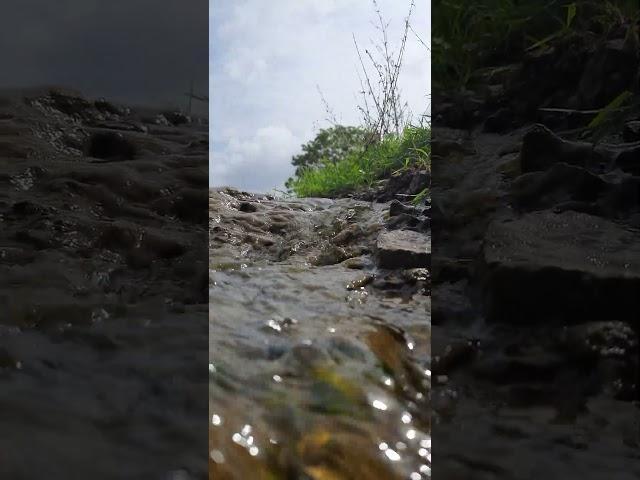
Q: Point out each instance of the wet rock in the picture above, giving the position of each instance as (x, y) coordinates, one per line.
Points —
(177, 118)
(569, 267)
(455, 355)
(561, 182)
(390, 281)
(404, 220)
(356, 263)
(410, 182)
(403, 249)
(110, 146)
(414, 275)
(361, 282)
(601, 339)
(247, 207)
(348, 235)
(329, 255)
(398, 208)
(69, 103)
(419, 181)
(162, 246)
(628, 159)
(541, 149)
(27, 208)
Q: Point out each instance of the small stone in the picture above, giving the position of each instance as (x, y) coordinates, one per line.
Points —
(361, 282)
(247, 207)
(356, 263)
(397, 208)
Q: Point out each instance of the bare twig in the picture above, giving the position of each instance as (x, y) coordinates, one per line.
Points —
(391, 114)
(331, 116)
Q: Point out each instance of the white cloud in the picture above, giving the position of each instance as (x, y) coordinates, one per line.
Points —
(255, 163)
(268, 58)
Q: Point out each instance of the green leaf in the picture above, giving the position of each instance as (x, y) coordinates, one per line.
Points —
(571, 13)
(615, 104)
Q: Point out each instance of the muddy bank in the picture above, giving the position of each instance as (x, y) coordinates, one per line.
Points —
(320, 338)
(536, 270)
(102, 289)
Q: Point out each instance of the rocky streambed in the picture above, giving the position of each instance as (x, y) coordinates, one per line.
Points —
(102, 289)
(536, 267)
(319, 331)
(536, 263)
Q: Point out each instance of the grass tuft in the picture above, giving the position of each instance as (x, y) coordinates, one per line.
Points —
(360, 170)
(468, 37)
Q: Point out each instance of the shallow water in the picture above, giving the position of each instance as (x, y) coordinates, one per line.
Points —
(315, 372)
(102, 296)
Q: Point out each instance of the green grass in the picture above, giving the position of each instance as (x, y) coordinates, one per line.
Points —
(360, 170)
(472, 39)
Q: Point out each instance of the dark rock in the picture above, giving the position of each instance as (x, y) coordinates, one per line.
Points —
(499, 122)
(561, 182)
(631, 131)
(26, 208)
(568, 268)
(348, 235)
(177, 118)
(396, 208)
(401, 221)
(601, 339)
(628, 159)
(105, 106)
(361, 281)
(110, 146)
(70, 104)
(329, 255)
(419, 181)
(455, 355)
(247, 207)
(406, 183)
(541, 149)
(403, 249)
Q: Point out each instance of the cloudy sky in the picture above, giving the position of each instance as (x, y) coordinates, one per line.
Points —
(135, 51)
(267, 61)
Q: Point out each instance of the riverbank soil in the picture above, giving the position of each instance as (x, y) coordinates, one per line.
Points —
(320, 338)
(102, 289)
(536, 265)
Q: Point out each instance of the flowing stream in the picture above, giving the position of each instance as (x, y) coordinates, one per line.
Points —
(319, 362)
